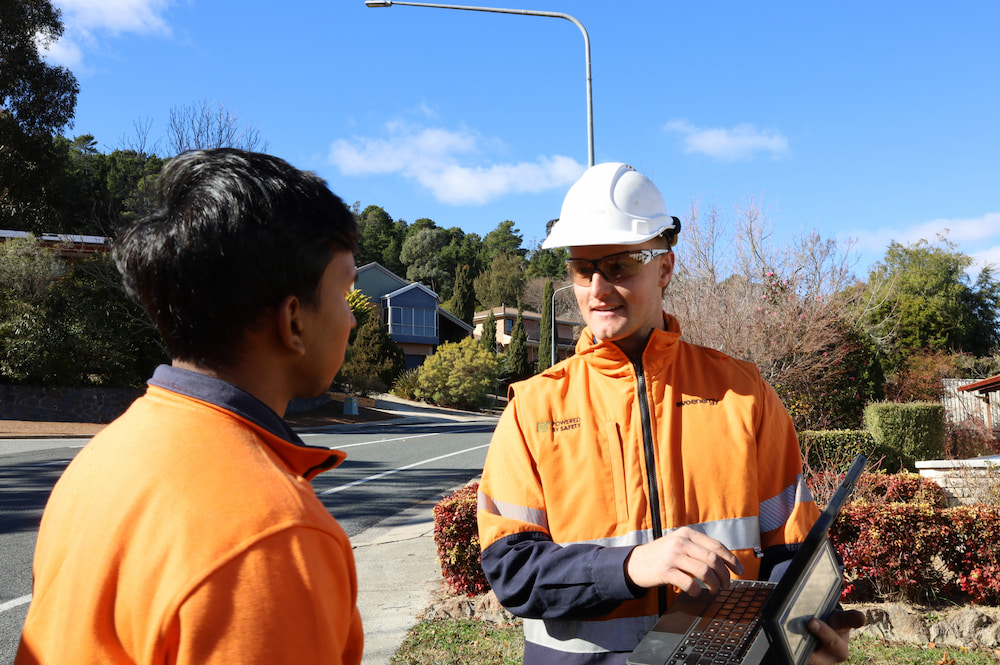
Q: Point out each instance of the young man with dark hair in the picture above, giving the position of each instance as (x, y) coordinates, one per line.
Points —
(187, 531)
(642, 466)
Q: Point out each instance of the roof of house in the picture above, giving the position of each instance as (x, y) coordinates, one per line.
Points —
(990, 385)
(67, 244)
(382, 269)
(454, 319)
(411, 287)
(504, 312)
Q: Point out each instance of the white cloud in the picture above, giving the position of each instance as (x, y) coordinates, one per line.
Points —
(977, 237)
(738, 143)
(84, 20)
(142, 16)
(436, 159)
(972, 234)
(64, 52)
(987, 257)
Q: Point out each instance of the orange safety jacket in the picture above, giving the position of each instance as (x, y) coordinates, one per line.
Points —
(187, 533)
(597, 455)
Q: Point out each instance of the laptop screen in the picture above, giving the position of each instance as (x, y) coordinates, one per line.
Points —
(816, 593)
(811, 586)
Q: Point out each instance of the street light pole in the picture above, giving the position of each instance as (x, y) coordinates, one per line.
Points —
(555, 326)
(524, 12)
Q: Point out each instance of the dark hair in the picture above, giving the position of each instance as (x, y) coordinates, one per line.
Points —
(232, 234)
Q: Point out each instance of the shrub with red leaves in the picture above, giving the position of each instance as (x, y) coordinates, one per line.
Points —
(456, 535)
(919, 552)
(880, 488)
(889, 549)
(972, 553)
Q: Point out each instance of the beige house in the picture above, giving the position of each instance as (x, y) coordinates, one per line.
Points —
(505, 317)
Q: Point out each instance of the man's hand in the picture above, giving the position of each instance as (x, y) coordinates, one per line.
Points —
(833, 636)
(682, 558)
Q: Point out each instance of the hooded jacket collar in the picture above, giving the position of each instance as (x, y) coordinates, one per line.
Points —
(308, 461)
(608, 357)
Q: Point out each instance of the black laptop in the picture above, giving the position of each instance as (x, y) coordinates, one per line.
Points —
(754, 622)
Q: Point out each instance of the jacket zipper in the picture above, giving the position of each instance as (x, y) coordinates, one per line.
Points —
(651, 475)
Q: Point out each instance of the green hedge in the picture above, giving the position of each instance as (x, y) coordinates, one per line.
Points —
(906, 432)
(834, 450)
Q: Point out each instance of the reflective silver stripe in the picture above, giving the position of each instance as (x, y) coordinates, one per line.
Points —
(588, 636)
(775, 511)
(534, 516)
(737, 533)
(626, 540)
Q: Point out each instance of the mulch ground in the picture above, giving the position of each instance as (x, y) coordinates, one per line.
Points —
(331, 413)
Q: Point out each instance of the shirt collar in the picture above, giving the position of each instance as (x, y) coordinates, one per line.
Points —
(225, 395)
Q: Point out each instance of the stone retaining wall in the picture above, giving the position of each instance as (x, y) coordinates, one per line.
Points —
(964, 481)
(65, 405)
(974, 627)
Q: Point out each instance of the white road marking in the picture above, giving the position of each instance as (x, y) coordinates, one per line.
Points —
(17, 602)
(401, 438)
(378, 476)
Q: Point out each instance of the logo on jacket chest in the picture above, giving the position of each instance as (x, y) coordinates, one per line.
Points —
(558, 425)
(692, 402)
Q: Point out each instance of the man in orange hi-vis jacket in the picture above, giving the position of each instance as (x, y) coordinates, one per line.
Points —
(640, 466)
(187, 531)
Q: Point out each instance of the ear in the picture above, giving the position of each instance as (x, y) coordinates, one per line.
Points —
(666, 269)
(290, 322)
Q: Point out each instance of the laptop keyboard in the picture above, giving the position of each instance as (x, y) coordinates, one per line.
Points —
(726, 628)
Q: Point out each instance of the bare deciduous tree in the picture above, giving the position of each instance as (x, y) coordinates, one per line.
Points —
(210, 125)
(781, 307)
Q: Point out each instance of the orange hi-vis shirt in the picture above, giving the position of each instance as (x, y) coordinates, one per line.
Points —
(185, 533)
(598, 454)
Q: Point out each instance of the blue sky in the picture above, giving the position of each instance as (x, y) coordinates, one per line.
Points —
(864, 121)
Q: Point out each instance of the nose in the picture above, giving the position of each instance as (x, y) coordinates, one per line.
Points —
(599, 285)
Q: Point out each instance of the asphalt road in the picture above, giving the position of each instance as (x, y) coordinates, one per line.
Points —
(390, 467)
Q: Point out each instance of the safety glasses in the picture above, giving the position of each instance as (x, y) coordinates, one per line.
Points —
(613, 267)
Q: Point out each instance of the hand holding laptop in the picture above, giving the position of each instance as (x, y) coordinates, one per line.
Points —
(683, 558)
(833, 636)
(792, 621)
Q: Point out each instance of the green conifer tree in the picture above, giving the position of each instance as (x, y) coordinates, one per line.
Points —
(488, 338)
(545, 333)
(373, 360)
(517, 352)
(463, 299)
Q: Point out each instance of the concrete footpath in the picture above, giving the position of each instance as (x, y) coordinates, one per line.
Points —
(398, 570)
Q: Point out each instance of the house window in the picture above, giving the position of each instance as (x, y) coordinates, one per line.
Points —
(407, 321)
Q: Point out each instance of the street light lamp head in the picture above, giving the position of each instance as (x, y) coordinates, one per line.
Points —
(378, 3)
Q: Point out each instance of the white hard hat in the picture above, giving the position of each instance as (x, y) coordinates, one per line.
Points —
(611, 204)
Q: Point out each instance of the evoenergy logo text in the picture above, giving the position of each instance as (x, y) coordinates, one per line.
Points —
(691, 402)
